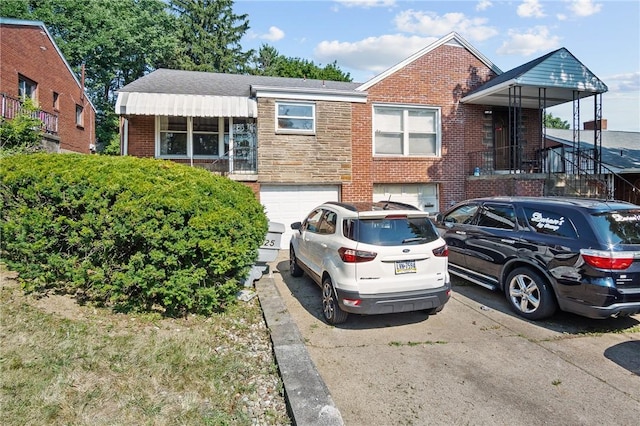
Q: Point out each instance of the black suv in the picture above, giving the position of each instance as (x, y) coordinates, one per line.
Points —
(544, 253)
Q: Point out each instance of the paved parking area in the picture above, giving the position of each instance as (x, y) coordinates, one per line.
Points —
(474, 363)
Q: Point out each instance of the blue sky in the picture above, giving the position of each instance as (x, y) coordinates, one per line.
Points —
(366, 37)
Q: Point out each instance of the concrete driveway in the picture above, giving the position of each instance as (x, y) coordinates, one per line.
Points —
(474, 363)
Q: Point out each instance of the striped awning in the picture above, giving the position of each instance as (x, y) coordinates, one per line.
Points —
(134, 103)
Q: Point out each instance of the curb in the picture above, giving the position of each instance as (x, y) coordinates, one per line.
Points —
(307, 395)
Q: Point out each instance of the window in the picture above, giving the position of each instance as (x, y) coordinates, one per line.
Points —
(391, 231)
(406, 131)
(56, 100)
(312, 222)
(550, 223)
(295, 117)
(463, 214)
(173, 136)
(206, 136)
(497, 216)
(79, 116)
(620, 227)
(26, 87)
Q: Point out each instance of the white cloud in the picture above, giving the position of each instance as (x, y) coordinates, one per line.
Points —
(366, 4)
(373, 54)
(585, 7)
(561, 17)
(483, 5)
(530, 9)
(534, 40)
(431, 24)
(627, 82)
(274, 34)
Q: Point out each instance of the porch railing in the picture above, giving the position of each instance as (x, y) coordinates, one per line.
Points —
(573, 174)
(508, 159)
(243, 160)
(11, 107)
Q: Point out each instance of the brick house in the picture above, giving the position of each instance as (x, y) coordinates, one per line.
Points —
(441, 126)
(33, 66)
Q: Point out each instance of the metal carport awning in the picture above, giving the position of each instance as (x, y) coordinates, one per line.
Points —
(170, 104)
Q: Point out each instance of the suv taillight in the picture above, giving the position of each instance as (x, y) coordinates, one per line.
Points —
(441, 251)
(355, 256)
(606, 259)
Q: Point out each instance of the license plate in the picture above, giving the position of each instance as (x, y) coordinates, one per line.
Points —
(406, 267)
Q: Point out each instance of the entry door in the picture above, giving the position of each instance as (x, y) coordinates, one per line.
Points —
(501, 140)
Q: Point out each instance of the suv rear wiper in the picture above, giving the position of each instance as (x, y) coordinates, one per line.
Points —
(413, 240)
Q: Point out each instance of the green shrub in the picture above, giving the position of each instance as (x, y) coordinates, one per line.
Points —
(22, 134)
(135, 234)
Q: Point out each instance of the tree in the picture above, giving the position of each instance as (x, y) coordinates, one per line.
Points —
(551, 122)
(271, 63)
(209, 36)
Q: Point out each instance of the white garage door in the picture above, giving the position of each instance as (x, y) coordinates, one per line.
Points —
(422, 196)
(292, 203)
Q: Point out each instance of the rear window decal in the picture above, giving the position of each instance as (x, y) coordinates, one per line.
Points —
(625, 218)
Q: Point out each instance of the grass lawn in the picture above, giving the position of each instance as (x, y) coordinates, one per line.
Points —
(62, 363)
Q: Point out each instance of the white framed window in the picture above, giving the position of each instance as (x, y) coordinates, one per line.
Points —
(172, 141)
(26, 87)
(206, 137)
(406, 131)
(79, 115)
(202, 137)
(295, 117)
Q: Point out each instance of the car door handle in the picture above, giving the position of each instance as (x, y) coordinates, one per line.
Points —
(461, 233)
(507, 241)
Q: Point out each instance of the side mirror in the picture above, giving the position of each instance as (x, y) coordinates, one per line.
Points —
(296, 225)
(439, 218)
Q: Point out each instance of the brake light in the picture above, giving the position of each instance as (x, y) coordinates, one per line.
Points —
(606, 259)
(356, 256)
(442, 251)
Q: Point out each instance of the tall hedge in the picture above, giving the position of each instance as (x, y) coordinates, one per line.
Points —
(135, 234)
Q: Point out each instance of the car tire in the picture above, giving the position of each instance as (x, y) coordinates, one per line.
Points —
(330, 305)
(294, 268)
(529, 294)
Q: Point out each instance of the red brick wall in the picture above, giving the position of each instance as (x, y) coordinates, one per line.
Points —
(439, 78)
(508, 185)
(28, 51)
(141, 141)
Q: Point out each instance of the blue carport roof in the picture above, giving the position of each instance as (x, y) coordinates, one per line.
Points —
(559, 73)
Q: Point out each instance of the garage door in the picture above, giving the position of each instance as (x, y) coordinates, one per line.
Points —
(292, 203)
(423, 196)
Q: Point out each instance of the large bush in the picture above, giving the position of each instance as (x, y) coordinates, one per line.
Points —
(135, 234)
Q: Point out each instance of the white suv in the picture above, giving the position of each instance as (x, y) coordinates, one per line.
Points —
(372, 258)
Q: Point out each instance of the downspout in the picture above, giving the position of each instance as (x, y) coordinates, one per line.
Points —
(125, 137)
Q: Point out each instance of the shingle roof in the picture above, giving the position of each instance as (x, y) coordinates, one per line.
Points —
(619, 149)
(218, 84)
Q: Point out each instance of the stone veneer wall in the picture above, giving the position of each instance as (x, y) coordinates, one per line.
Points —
(322, 158)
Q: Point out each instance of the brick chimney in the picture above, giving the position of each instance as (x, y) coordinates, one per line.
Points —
(591, 125)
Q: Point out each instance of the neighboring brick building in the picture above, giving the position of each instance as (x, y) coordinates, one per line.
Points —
(31, 65)
(416, 133)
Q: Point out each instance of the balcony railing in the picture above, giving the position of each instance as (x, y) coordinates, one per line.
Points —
(11, 107)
